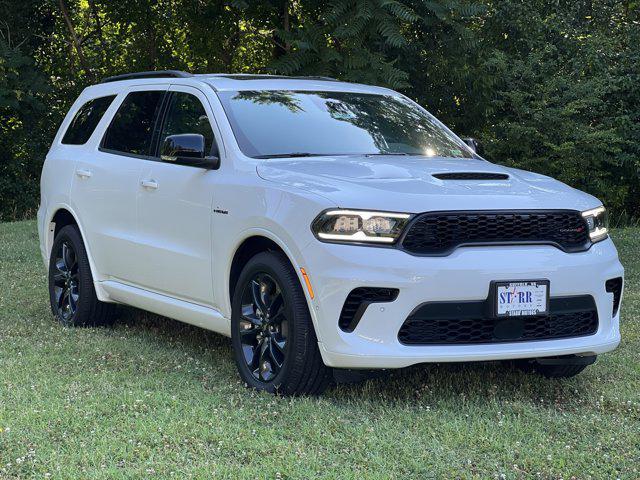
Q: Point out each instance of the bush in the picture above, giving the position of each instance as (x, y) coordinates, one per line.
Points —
(569, 103)
(22, 142)
(551, 86)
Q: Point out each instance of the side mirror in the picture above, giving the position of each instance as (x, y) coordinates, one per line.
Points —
(188, 149)
(475, 145)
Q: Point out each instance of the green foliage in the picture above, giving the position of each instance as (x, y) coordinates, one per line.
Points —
(568, 101)
(355, 40)
(21, 110)
(551, 86)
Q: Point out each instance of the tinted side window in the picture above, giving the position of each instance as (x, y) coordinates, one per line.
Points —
(85, 120)
(187, 115)
(132, 126)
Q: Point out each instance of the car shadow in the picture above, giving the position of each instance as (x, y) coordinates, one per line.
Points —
(462, 382)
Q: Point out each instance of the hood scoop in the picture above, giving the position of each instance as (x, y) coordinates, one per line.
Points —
(471, 176)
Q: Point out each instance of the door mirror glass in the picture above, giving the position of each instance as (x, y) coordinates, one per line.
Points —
(475, 145)
(187, 149)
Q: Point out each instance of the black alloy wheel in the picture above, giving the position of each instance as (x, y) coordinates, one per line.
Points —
(264, 327)
(71, 291)
(65, 282)
(274, 342)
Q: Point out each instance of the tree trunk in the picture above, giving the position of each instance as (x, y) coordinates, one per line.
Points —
(98, 22)
(279, 48)
(74, 39)
(285, 23)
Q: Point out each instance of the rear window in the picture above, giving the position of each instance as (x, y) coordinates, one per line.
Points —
(86, 120)
(132, 126)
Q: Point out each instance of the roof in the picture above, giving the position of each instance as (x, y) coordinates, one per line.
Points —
(237, 82)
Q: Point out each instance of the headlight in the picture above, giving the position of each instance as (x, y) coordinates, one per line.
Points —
(598, 223)
(359, 226)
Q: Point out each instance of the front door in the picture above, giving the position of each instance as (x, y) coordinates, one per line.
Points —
(174, 208)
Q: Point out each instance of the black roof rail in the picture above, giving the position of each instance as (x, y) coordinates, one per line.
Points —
(318, 77)
(249, 76)
(150, 74)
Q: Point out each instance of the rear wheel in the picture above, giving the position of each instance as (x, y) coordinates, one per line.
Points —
(275, 345)
(71, 292)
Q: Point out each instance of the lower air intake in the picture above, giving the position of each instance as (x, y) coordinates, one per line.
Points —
(357, 302)
(464, 323)
(614, 286)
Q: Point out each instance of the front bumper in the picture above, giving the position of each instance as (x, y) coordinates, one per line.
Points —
(466, 274)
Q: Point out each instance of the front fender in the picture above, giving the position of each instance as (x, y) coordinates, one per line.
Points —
(281, 215)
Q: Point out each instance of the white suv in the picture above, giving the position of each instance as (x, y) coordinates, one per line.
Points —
(323, 226)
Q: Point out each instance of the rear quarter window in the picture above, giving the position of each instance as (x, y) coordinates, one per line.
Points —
(86, 120)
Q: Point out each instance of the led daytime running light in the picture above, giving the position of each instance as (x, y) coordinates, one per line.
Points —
(598, 223)
(360, 226)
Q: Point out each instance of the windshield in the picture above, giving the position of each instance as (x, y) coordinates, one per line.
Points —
(275, 123)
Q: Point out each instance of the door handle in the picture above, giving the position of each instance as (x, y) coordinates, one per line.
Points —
(83, 173)
(150, 184)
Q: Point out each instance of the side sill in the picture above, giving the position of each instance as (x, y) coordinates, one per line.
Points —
(187, 312)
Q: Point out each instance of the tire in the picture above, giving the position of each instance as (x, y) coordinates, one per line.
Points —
(71, 292)
(274, 342)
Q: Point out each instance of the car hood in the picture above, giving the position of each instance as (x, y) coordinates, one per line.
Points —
(407, 184)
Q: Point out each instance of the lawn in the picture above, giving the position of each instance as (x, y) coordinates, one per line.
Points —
(154, 398)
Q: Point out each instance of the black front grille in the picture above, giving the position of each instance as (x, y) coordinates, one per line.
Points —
(471, 176)
(614, 285)
(439, 233)
(461, 323)
(357, 302)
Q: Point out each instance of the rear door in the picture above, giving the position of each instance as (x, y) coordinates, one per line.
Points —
(174, 208)
(105, 185)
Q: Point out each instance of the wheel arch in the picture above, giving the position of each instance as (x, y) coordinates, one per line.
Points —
(252, 243)
(61, 216)
(249, 248)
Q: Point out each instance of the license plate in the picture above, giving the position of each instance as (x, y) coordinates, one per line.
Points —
(523, 298)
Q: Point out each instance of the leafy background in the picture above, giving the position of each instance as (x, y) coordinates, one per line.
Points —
(547, 85)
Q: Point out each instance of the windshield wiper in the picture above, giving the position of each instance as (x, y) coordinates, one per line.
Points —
(292, 154)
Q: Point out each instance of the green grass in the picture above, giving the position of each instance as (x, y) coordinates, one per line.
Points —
(155, 398)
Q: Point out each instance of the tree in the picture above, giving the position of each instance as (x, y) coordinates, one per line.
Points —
(22, 112)
(548, 85)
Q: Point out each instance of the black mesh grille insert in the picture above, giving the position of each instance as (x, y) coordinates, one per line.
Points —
(614, 285)
(357, 302)
(451, 323)
(438, 233)
(471, 176)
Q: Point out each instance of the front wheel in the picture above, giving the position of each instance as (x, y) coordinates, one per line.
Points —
(274, 343)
